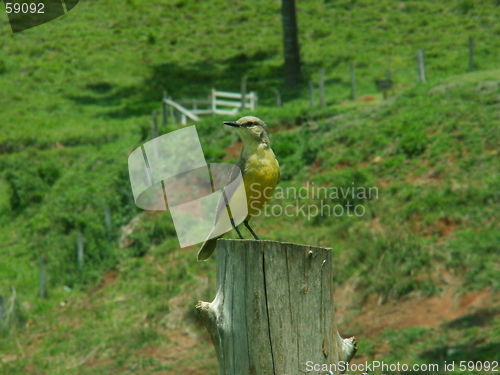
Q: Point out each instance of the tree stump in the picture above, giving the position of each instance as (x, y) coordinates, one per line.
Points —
(273, 312)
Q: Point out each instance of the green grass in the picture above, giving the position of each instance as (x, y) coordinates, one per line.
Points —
(76, 96)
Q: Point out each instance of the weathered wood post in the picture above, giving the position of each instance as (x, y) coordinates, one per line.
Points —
(108, 223)
(278, 98)
(417, 55)
(3, 314)
(421, 69)
(170, 109)
(80, 251)
(273, 312)
(243, 90)
(177, 115)
(213, 104)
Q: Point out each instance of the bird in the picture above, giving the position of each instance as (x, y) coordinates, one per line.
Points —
(260, 172)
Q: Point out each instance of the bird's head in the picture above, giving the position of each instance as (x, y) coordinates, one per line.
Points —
(251, 129)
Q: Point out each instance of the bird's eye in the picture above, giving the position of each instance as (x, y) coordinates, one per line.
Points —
(250, 124)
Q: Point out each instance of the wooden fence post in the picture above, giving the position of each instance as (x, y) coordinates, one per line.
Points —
(321, 87)
(43, 279)
(353, 81)
(274, 310)
(171, 109)
(278, 98)
(79, 250)
(164, 108)
(311, 94)
(388, 75)
(212, 100)
(471, 54)
(107, 223)
(255, 99)
(421, 69)
(3, 313)
(417, 56)
(243, 89)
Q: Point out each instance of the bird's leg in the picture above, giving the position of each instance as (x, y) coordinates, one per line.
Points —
(251, 230)
(236, 227)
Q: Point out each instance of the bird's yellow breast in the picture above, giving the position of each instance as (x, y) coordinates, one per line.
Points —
(260, 175)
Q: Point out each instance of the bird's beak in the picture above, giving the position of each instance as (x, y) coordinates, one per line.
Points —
(231, 123)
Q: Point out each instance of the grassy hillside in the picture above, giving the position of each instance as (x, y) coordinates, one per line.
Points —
(75, 97)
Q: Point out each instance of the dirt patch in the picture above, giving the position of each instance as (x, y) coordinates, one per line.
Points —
(432, 177)
(315, 167)
(446, 226)
(376, 226)
(108, 279)
(426, 312)
(443, 228)
(383, 183)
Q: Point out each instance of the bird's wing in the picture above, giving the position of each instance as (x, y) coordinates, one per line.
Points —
(227, 193)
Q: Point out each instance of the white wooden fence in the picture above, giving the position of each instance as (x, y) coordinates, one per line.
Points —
(230, 103)
(218, 102)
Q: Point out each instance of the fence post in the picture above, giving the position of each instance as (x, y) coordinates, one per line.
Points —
(3, 313)
(421, 70)
(108, 223)
(212, 100)
(471, 54)
(79, 250)
(278, 98)
(255, 100)
(164, 108)
(353, 81)
(43, 278)
(263, 323)
(417, 56)
(171, 109)
(311, 94)
(321, 87)
(243, 89)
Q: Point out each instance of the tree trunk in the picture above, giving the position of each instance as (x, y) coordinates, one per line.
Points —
(290, 43)
(273, 313)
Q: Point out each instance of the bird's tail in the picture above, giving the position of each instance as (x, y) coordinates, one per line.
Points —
(208, 248)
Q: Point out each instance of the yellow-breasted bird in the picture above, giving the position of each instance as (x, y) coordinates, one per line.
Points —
(260, 171)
